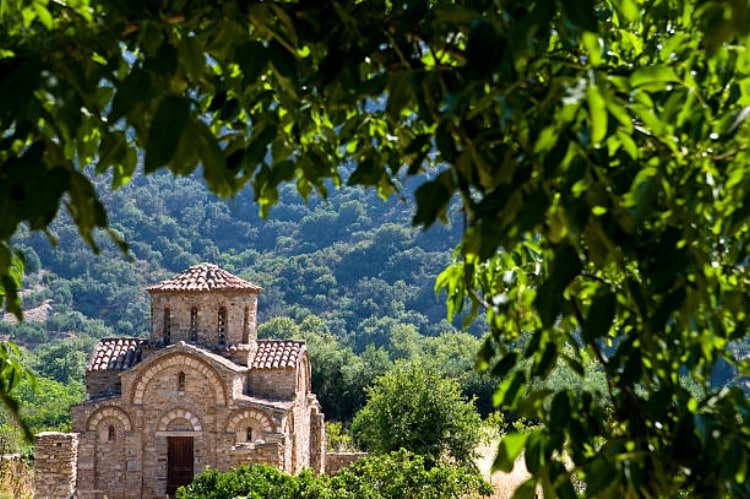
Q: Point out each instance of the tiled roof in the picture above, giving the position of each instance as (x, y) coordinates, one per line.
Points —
(204, 277)
(116, 354)
(277, 354)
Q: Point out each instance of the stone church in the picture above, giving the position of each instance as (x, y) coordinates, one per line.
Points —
(201, 391)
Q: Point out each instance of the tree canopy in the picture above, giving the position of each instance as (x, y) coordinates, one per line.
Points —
(596, 149)
(416, 408)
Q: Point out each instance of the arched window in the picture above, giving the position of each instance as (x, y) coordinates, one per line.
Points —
(222, 324)
(193, 324)
(167, 333)
(246, 326)
(181, 382)
(111, 435)
(249, 434)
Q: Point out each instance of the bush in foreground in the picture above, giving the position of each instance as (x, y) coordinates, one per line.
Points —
(400, 474)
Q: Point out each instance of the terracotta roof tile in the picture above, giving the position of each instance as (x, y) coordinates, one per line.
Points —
(277, 354)
(204, 277)
(116, 354)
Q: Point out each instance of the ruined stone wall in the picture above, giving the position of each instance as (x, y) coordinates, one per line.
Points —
(301, 439)
(318, 441)
(270, 453)
(336, 461)
(55, 458)
(240, 321)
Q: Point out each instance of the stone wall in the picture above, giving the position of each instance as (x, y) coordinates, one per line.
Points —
(276, 383)
(102, 383)
(336, 461)
(240, 321)
(55, 459)
(318, 441)
(270, 453)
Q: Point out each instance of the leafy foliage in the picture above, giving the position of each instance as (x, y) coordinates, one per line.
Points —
(401, 475)
(253, 482)
(415, 408)
(597, 151)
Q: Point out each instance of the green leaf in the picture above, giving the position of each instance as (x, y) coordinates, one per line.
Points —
(282, 60)
(165, 132)
(536, 452)
(559, 412)
(508, 451)
(264, 133)
(215, 172)
(527, 490)
(85, 208)
(565, 266)
(366, 173)
(19, 77)
(30, 191)
(656, 77)
(505, 365)
(510, 390)
(600, 316)
(43, 15)
(191, 57)
(165, 60)
(129, 93)
(581, 13)
(598, 113)
(601, 475)
(253, 60)
(645, 200)
(629, 9)
(445, 142)
(433, 199)
(547, 360)
(485, 49)
(399, 94)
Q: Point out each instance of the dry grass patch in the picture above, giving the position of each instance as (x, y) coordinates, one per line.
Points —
(16, 479)
(504, 484)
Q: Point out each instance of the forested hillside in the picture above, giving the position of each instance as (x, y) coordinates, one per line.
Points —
(348, 273)
(351, 259)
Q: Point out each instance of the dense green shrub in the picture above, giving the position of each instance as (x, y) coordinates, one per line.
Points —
(415, 407)
(254, 482)
(405, 475)
(398, 475)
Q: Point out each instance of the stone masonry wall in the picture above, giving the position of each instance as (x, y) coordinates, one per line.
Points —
(271, 454)
(102, 383)
(318, 442)
(277, 383)
(336, 461)
(240, 321)
(55, 457)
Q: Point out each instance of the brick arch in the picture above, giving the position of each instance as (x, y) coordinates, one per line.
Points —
(109, 412)
(185, 362)
(179, 414)
(262, 418)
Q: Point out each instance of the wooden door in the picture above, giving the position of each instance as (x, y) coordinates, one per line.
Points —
(179, 462)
